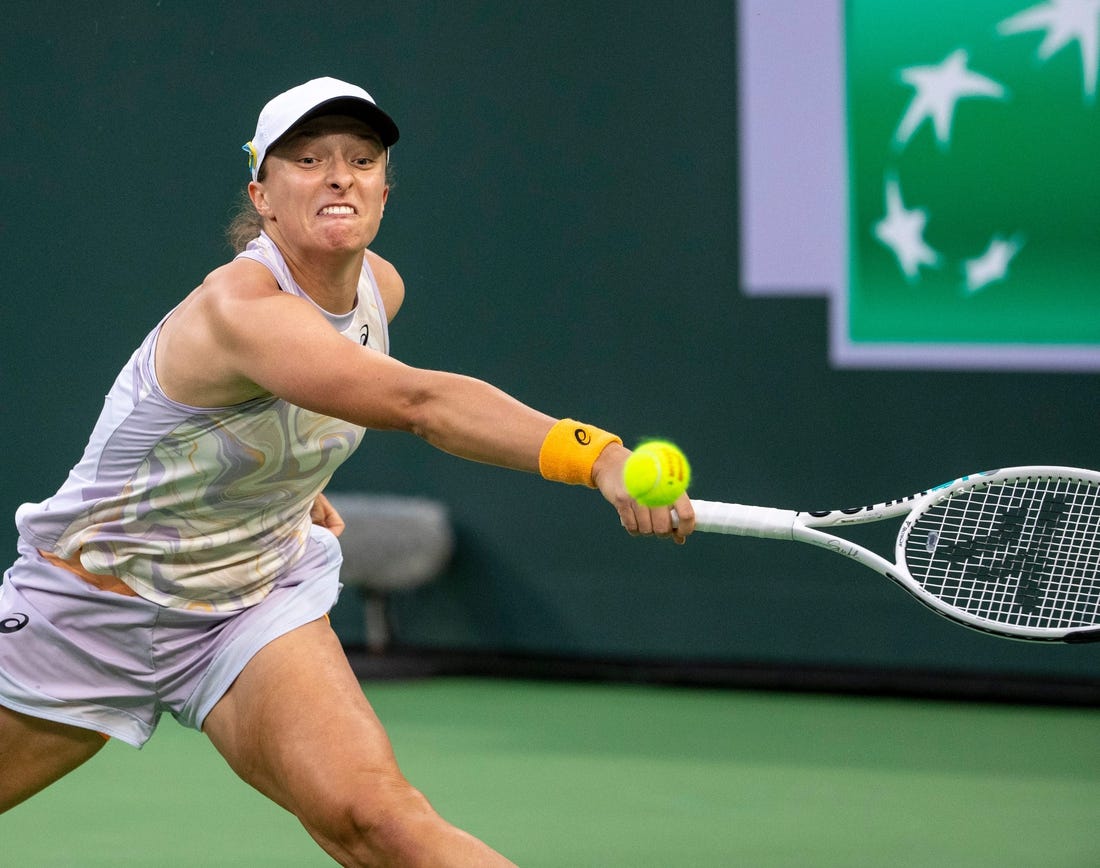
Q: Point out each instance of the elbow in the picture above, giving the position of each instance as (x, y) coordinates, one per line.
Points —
(419, 402)
(413, 414)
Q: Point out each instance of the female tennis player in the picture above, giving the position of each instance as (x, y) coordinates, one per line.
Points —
(188, 561)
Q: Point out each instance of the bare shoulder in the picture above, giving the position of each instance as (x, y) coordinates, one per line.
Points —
(390, 285)
(239, 280)
(235, 298)
(222, 303)
(197, 347)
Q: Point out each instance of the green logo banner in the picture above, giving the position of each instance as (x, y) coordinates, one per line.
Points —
(932, 168)
(973, 137)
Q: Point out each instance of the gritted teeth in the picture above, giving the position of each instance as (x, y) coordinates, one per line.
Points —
(337, 209)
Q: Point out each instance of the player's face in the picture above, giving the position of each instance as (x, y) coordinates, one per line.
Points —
(324, 186)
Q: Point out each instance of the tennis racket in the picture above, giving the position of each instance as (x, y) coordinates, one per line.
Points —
(1013, 552)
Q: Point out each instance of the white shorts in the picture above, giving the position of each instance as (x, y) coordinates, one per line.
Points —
(72, 653)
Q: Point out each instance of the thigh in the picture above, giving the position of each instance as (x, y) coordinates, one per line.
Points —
(35, 752)
(296, 725)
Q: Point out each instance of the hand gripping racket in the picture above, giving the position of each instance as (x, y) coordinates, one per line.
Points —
(1013, 552)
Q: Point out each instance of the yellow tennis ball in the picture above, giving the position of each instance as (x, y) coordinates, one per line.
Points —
(656, 473)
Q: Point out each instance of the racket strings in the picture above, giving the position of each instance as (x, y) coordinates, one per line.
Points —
(1022, 552)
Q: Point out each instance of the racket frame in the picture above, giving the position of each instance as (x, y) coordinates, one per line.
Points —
(770, 523)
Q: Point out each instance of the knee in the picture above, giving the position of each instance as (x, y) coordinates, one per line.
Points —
(387, 823)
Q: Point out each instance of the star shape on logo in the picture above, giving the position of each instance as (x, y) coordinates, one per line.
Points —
(992, 265)
(938, 90)
(902, 230)
(1064, 21)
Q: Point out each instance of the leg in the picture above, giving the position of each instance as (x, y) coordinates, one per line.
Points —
(296, 725)
(35, 752)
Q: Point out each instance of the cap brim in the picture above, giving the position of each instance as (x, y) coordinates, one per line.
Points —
(354, 107)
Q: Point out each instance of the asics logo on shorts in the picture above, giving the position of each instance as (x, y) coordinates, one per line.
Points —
(14, 622)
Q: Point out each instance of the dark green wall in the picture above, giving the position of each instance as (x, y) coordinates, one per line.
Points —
(565, 220)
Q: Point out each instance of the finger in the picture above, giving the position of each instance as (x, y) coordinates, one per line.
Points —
(324, 514)
(684, 518)
(665, 526)
(661, 521)
(635, 518)
(334, 522)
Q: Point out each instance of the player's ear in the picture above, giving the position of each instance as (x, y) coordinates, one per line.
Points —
(258, 196)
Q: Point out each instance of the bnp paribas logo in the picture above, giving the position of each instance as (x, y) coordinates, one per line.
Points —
(973, 184)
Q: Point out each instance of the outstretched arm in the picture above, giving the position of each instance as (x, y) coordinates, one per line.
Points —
(256, 340)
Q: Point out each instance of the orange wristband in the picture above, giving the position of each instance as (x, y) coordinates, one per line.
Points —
(570, 450)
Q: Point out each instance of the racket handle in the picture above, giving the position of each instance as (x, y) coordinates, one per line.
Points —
(734, 518)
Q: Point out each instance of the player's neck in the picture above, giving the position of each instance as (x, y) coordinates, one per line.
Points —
(332, 282)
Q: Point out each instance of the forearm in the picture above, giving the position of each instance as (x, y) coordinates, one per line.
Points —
(474, 420)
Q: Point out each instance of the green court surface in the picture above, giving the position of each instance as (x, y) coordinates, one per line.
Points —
(567, 774)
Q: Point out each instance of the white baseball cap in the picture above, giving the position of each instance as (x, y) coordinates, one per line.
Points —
(321, 96)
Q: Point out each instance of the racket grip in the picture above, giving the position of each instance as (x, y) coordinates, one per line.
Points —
(735, 518)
